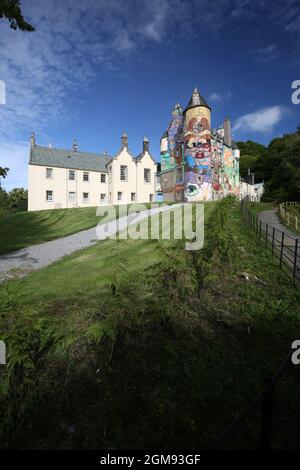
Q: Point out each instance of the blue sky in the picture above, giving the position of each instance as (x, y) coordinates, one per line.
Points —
(94, 68)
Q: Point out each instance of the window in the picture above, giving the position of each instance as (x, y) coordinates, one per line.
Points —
(71, 175)
(49, 173)
(120, 195)
(103, 178)
(85, 197)
(147, 175)
(72, 196)
(86, 176)
(132, 197)
(151, 197)
(102, 198)
(124, 173)
(49, 196)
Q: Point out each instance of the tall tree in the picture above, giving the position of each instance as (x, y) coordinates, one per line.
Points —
(11, 10)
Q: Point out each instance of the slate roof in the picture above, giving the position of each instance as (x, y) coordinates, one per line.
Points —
(191, 103)
(64, 158)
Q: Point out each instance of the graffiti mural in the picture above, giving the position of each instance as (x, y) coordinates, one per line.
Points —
(206, 164)
(197, 150)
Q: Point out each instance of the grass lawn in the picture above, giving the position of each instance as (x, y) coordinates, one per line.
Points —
(141, 344)
(30, 228)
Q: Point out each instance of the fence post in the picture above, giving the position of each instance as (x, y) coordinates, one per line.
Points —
(296, 222)
(295, 259)
(267, 410)
(281, 251)
(273, 240)
(266, 239)
(260, 229)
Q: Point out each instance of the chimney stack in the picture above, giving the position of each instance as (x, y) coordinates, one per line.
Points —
(124, 140)
(75, 145)
(227, 132)
(32, 140)
(145, 144)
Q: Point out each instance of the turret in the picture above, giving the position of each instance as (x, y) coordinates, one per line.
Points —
(198, 108)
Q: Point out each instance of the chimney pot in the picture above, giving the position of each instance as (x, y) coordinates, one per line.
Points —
(145, 144)
(75, 145)
(124, 140)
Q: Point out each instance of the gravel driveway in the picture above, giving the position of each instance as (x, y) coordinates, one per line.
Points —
(21, 262)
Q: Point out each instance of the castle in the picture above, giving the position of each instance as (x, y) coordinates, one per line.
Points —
(198, 163)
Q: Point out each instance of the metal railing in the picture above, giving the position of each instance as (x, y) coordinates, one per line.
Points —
(283, 245)
(263, 403)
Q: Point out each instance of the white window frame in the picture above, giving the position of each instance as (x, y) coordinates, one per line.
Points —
(51, 172)
(124, 174)
(103, 176)
(48, 191)
(103, 201)
(86, 200)
(73, 173)
(86, 173)
(120, 196)
(74, 196)
(148, 170)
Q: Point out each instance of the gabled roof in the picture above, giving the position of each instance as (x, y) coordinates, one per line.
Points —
(140, 156)
(63, 158)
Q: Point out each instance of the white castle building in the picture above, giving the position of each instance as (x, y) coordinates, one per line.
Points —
(60, 178)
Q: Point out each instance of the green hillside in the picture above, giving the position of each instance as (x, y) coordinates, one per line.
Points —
(278, 165)
(141, 344)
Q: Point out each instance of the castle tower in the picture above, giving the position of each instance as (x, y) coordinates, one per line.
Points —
(197, 149)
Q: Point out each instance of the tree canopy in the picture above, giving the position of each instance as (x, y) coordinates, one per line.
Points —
(278, 165)
(11, 10)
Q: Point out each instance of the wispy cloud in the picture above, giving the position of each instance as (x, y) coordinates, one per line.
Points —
(218, 97)
(267, 54)
(264, 120)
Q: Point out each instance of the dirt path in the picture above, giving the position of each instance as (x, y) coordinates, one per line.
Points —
(21, 262)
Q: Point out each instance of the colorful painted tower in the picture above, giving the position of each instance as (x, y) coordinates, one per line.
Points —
(198, 163)
(197, 149)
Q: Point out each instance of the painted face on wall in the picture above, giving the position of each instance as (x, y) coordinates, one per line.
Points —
(191, 191)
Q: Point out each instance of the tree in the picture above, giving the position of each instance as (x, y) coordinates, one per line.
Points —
(11, 10)
(3, 172)
(17, 200)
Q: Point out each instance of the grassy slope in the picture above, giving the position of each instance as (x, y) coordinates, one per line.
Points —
(30, 228)
(142, 344)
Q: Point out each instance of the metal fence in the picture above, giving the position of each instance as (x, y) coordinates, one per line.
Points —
(283, 245)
